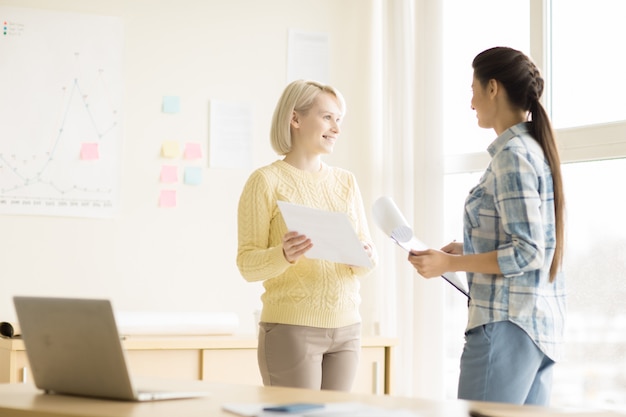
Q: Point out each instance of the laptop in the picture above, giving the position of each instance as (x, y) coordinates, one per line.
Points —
(73, 347)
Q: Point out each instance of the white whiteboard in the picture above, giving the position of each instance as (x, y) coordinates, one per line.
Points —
(61, 83)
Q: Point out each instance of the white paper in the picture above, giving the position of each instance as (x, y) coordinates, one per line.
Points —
(390, 220)
(134, 323)
(307, 57)
(230, 134)
(331, 233)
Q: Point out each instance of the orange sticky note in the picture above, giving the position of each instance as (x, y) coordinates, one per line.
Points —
(167, 198)
(89, 151)
(169, 173)
(193, 151)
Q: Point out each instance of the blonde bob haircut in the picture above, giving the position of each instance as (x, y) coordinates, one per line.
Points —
(298, 96)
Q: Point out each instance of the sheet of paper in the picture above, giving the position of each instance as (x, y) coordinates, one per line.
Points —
(308, 56)
(170, 323)
(332, 234)
(230, 134)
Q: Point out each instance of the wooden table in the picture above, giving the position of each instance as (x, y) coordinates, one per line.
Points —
(24, 400)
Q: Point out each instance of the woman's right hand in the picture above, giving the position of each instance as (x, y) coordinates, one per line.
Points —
(295, 245)
(453, 248)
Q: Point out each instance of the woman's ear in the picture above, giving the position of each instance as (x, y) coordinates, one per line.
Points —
(492, 88)
(294, 119)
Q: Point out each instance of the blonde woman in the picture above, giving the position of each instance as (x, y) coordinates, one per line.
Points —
(309, 330)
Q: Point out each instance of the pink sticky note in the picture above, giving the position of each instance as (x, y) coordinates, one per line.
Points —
(167, 198)
(89, 151)
(169, 173)
(193, 151)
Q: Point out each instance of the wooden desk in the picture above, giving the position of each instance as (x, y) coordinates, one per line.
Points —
(23, 400)
(209, 358)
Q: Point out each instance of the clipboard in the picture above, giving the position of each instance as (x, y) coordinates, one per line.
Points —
(390, 220)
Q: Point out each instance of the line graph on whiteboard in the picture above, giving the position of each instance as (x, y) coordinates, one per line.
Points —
(60, 114)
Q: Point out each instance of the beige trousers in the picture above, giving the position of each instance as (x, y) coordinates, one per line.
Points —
(309, 357)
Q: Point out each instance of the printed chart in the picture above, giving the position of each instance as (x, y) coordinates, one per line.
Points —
(60, 113)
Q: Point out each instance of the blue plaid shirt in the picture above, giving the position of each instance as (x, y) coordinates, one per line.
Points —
(511, 211)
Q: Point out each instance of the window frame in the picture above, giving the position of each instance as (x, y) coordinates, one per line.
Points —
(576, 144)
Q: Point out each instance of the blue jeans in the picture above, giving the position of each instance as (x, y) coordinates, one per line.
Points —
(501, 363)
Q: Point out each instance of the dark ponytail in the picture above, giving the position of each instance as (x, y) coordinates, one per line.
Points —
(524, 85)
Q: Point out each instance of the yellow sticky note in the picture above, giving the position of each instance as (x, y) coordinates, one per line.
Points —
(170, 149)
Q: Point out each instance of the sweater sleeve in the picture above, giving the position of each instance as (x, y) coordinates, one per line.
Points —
(257, 259)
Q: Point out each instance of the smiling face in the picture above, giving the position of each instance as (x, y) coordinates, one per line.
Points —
(483, 103)
(315, 131)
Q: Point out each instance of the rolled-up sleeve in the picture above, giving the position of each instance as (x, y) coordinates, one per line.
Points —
(519, 206)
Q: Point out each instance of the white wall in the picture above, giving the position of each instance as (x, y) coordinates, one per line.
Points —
(183, 259)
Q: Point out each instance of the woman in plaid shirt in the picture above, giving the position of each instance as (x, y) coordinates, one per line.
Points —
(513, 240)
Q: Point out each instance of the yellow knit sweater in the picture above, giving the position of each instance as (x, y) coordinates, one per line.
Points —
(309, 292)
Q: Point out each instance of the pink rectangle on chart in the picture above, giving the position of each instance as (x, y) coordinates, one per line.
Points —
(167, 198)
(193, 151)
(169, 173)
(89, 151)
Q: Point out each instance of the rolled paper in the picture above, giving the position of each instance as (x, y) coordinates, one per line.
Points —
(176, 323)
(390, 220)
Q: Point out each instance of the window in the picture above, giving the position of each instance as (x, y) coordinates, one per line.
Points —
(588, 111)
(456, 187)
(593, 372)
(588, 63)
(470, 27)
